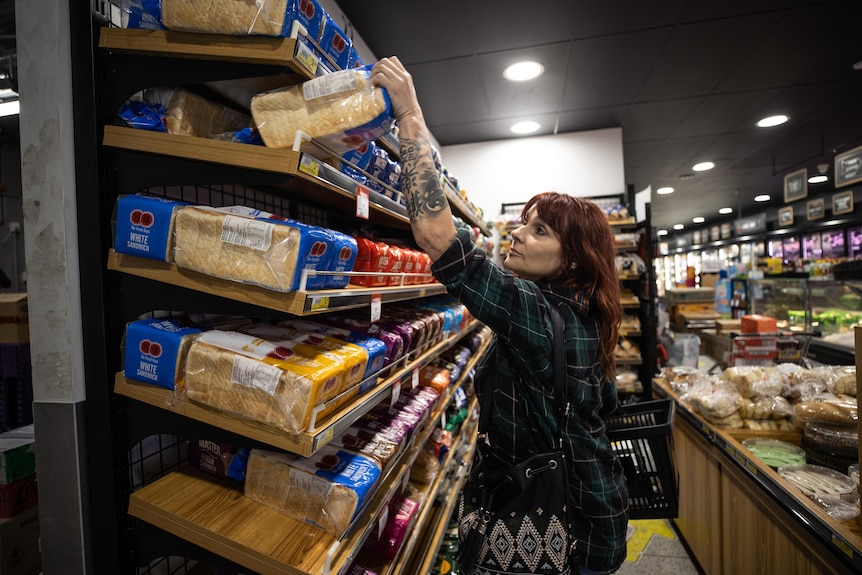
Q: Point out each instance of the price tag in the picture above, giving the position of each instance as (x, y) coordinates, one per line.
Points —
(309, 165)
(382, 520)
(376, 306)
(362, 205)
(306, 57)
(414, 378)
(396, 393)
(443, 420)
(319, 303)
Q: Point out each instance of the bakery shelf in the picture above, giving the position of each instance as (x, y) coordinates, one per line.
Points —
(843, 537)
(300, 303)
(635, 360)
(263, 50)
(216, 516)
(461, 209)
(429, 541)
(305, 443)
(302, 174)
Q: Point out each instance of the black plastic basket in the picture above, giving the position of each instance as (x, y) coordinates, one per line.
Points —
(640, 435)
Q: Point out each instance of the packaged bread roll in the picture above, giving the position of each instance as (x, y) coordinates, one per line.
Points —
(342, 110)
(258, 380)
(325, 490)
(241, 17)
(263, 252)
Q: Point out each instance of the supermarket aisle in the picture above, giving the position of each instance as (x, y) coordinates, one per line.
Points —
(654, 548)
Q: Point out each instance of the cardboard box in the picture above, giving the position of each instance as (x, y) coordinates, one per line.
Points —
(754, 323)
(19, 544)
(18, 497)
(17, 458)
(14, 318)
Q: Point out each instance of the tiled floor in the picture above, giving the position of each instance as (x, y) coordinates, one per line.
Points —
(654, 548)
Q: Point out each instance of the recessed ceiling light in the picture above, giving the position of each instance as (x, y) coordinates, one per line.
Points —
(772, 121)
(678, 227)
(817, 179)
(663, 191)
(703, 166)
(525, 127)
(762, 198)
(661, 233)
(522, 71)
(698, 220)
(725, 211)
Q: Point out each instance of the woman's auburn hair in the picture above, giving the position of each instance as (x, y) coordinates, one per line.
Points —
(588, 260)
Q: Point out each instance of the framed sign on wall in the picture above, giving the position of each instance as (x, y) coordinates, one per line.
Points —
(842, 203)
(848, 167)
(795, 185)
(816, 209)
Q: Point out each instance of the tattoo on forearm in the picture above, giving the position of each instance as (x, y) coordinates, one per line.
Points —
(420, 180)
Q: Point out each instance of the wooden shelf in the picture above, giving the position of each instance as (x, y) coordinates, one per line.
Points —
(216, 516)
(305, 443)
(300, 303)
(263, 50)
(303, 175)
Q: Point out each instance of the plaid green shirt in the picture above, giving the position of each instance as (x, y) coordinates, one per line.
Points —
(520, 365)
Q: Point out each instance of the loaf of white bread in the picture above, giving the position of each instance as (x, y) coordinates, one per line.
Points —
(235, 247)
(260, 380)
(325, 490)
(264, 17)
(343, 110)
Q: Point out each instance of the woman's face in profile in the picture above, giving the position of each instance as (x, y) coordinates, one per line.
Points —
(536, 250)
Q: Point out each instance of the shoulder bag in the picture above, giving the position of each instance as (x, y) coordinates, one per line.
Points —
(515, 519)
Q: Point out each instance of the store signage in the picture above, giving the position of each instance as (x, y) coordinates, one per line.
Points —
(695, 237)
(751, 224)
(714, 233)
(725, 231)
(682, 242)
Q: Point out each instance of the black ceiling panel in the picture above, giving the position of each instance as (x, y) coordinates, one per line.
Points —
(685, 80)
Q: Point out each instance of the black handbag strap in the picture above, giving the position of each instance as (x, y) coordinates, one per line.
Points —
(559, 362)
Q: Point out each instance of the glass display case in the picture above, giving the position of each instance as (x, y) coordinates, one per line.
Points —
(784, 298)
(835, 309)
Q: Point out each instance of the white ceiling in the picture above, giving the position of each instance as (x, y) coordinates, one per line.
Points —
(686, 81)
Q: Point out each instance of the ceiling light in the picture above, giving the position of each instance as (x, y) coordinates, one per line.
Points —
(522, 71)
(663, 191)
(10, 108)
(661, 233)
(703, 166)
(772, 121)
(678, 227)
(725, 211)
(525, 127)
(698, 220)
(817, 179)
(762, 198)
(857, 65)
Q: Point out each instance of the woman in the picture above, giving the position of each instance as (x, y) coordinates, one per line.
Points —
(562, 255)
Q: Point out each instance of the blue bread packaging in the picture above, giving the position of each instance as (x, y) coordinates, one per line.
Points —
(343, 258)
(335, 43)
(156, 349)
(145, 226)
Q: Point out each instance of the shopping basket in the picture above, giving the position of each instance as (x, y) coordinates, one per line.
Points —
(640, 435)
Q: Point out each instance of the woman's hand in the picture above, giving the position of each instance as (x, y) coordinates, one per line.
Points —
(390, 73)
